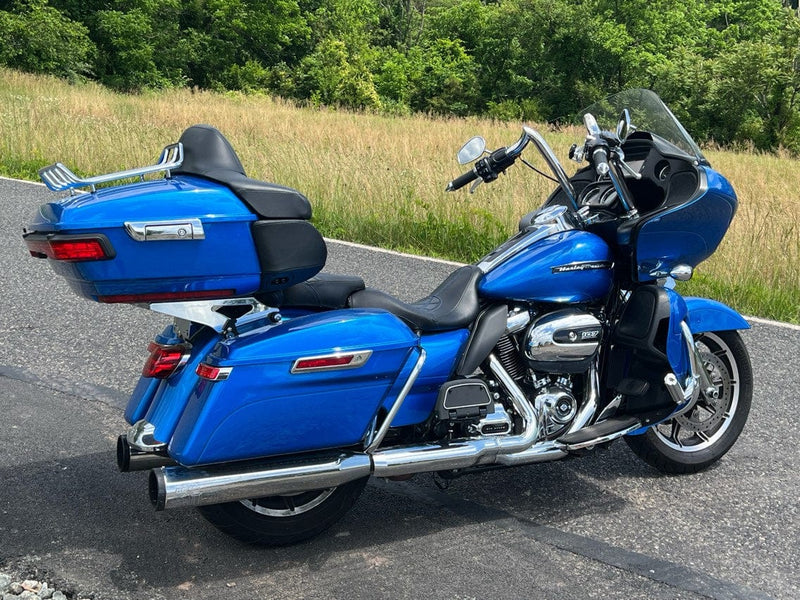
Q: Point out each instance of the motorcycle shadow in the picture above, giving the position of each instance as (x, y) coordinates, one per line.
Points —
(90, 519)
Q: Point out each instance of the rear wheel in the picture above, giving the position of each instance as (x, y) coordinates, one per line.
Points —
(283, 520)
(697, 439)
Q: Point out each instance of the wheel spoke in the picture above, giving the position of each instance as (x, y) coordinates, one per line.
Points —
(289, 502)
(673, 435)
(703, 435)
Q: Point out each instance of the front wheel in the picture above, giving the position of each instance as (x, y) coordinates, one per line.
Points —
(695, 440)
(284, 520)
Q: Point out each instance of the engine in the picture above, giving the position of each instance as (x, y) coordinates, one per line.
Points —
(549, 358)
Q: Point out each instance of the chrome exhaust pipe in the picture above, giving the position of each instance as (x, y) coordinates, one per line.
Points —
(467, 453)
(176, 486)
(133, 459)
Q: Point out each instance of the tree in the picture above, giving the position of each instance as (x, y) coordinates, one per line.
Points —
(37, 38)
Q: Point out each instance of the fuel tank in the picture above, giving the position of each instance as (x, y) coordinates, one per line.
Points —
(570, 267)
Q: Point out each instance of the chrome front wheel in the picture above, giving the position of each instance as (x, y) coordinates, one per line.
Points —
(693, 441)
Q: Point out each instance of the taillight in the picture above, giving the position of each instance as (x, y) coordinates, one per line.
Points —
(212, 373)
(154, 297)
(70, 247)
(165, 360)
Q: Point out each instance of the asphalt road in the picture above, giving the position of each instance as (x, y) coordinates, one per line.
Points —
(604, 526)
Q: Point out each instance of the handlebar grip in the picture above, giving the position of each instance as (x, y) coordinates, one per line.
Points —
(462, 180)
(600, 160)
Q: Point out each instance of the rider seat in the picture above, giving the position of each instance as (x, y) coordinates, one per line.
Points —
(452, 305)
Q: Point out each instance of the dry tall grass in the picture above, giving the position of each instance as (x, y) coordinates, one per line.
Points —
(380, 180)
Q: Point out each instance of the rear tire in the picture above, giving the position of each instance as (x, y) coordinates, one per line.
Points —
(697, 439)
(284, 520)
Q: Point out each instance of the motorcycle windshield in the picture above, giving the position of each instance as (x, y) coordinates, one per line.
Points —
(648, 113)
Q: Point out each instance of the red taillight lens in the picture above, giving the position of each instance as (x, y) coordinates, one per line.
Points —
(212, 373)
(165, 360)
(154, 297)
(74, 248)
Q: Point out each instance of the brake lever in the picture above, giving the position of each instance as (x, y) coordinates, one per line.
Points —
(625, 166)
(474, 185)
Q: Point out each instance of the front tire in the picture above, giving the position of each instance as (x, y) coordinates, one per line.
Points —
(284, 520)
(697, 439)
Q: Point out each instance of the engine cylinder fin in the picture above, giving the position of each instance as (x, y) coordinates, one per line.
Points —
(508, 355)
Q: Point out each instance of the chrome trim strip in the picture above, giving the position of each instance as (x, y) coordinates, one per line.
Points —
(360, 358)
(492, 260)
(58, 178)
(155, 231)
(387, 422)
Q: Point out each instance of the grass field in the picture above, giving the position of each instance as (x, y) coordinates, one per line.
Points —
(380, 180)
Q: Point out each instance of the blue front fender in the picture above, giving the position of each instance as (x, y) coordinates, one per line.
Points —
(710, 315)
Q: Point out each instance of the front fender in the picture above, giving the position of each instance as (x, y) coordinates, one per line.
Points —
(710, 315)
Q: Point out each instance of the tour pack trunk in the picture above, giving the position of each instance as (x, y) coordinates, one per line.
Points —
(206, 230)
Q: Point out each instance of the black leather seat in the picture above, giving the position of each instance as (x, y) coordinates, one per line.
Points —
(452, 305)
(325, 290)
(208, 154)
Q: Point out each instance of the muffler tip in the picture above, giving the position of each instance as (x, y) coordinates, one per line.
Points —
(123, 454)
(157, 491)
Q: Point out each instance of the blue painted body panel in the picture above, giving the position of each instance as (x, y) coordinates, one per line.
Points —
(141, 399)
(686, 234)
(225, 259)
(263, 409)
(443, 350)
(710, 315)
(529, 274)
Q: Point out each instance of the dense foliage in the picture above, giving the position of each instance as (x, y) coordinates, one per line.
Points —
(730, 69)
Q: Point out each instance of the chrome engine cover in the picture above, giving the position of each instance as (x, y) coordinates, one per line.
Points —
(557, 406)
(564, 341)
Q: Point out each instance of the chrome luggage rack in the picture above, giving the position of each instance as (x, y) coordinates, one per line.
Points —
(58, 178)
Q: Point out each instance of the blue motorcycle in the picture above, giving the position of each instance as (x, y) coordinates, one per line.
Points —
(279, 390)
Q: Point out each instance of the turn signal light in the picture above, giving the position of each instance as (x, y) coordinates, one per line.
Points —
(165, 360)
(212, 373)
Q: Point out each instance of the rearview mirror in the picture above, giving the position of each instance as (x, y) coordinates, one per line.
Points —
(624, 127)
(472, 150)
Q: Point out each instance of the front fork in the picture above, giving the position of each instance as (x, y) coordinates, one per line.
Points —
(697, 381)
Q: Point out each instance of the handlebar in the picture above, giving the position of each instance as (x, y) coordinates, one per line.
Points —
(489, 167)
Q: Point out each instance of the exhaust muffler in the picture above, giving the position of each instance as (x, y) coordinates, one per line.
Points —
(175, 486)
